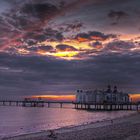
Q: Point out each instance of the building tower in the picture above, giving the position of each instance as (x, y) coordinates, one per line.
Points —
(108, 89)
(115, 89)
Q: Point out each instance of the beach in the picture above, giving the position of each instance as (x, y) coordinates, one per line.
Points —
(124, 128)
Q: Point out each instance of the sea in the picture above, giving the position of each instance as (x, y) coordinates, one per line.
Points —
(16, 121)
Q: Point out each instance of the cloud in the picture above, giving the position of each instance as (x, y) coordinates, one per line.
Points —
(97, 45)
(28, 22)
(31, 42)
(49, 74)
(45, 48)
(93, 35)
(32, 49)
(47, 34)
(117, 15)
(63, 47)
(42, 11)
(75, 26)
(120, 46)
(53, 35)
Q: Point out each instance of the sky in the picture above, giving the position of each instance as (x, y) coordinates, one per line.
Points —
(59, 46)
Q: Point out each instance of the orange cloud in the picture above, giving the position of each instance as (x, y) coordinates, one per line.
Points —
(135, 97)
(82, 39)
(56, 97)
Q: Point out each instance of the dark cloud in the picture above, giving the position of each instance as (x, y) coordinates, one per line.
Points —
(63, 47)
(38, 36)
(31, 42)
(71, 27)
(117, 15)
(2, 42)
(33, 49)
(53, 74)
(119, 45)
(32, 38)
(96, 45)
(53, 35)
(28, 21)
(42, 11)
(97, 36)
(45, 48)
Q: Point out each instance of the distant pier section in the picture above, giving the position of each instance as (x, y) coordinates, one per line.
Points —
(29, 102)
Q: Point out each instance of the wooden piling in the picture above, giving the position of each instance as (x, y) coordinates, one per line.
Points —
(61, 104)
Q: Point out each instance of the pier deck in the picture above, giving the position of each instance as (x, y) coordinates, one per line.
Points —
(107, 107)
(37, 103)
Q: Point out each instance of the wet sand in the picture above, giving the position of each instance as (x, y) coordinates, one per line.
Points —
(125, 128)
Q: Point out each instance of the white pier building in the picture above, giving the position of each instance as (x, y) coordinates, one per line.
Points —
(102, 96)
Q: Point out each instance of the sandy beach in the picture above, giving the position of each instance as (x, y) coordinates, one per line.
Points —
(125, 128)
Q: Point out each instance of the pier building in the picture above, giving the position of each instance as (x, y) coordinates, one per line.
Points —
(102, 96)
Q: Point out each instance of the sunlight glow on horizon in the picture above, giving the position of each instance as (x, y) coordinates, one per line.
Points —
(134, 97)
(56, 97)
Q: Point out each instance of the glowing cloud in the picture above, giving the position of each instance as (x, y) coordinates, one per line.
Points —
(56, 97)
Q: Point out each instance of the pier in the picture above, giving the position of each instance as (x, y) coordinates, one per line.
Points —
(32, 103)
(77, 105)
(107, 107)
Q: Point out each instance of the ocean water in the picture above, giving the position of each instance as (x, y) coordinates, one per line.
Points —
(22, 120)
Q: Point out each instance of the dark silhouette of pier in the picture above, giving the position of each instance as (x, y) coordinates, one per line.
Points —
(77, 105)
(32, 103)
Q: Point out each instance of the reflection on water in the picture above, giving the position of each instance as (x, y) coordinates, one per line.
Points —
(20, 120)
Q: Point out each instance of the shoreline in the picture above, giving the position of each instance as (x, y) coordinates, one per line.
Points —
(76, 132)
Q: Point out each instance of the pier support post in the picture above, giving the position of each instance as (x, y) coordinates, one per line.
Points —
(3, 103)
(111, 107)
(131, 107)
(61, 105)
(17, 104)
(88, 106)
(137, 107)
(48, 105)
(127, 107)
(76, 106)
(81, 106)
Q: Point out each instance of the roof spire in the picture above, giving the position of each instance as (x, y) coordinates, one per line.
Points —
(115, 89)
(109, 89)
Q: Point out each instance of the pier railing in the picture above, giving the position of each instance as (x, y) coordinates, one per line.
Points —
(32, 103)
(107, 106)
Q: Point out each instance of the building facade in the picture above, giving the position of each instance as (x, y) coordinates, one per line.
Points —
(102, 96)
